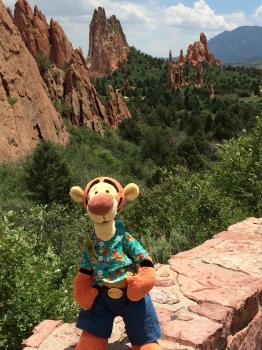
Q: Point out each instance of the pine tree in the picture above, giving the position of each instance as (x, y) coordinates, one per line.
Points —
(47, 174)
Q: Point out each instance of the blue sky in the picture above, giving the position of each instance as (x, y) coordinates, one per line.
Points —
(154, 26)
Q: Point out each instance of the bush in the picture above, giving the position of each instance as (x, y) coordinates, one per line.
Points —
(33, 285)
(47, 174)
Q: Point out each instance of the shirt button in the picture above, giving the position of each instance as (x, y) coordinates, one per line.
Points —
(100, 258)
(101, 244)
(100, 273)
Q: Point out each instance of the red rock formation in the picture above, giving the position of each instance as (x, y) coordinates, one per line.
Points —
(73, 86)
(54, 78)
(33, 28)
(117, 108)
(108, 47)
(199, 75)
(175, 73)
(27, 114)
(61, 48)
(206, 298)
(87, 110)
(181, 58)
(199, 52)
(39, 36)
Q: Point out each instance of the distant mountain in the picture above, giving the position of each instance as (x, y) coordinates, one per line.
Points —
(242, 45)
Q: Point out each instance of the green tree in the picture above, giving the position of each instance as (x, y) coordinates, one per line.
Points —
(47, 175)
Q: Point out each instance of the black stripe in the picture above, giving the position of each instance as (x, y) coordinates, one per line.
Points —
(111, 183)
(146, 263)
(85, 271)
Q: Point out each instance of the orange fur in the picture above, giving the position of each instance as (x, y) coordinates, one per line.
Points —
(84, 292)
(140, 284)
(89, 341)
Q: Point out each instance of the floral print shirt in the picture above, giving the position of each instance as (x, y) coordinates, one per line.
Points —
(111, 260)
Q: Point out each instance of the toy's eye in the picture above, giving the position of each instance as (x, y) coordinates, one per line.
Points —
(107, 191)
(96, 192)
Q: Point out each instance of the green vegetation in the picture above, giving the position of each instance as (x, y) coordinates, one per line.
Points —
(44, 62)
(198, 163)
(12, 101)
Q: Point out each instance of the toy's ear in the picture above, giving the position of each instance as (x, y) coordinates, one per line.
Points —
(131, 192)
(77, 194)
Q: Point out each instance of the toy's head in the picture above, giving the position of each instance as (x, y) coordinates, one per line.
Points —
(104, 197)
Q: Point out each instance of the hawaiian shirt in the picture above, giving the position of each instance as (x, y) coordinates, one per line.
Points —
(111, 260)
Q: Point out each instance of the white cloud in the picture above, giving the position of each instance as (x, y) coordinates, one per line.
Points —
(149, 25)
(200, 16)
(258, 13)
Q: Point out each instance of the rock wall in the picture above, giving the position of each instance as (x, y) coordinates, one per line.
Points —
(207, 298)
(39, 36)
(108, 47)
(27, 114)
(68, 79)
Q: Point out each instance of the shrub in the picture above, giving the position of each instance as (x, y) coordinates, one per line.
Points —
(47, 174)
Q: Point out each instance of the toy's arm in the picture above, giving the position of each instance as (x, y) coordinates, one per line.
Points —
(140, 284)
(84, 292)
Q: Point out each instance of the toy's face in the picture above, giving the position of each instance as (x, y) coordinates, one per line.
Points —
(102, 203)
(104, 197)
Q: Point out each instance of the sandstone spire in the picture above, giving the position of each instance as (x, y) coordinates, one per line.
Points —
(108, 47)
(199, 52)
(39, 36)
(27, 115)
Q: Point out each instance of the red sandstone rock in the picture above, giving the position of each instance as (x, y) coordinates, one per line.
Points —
(41, 332)
(72, 87)
(39, 37)
(208, 325)
(199, 52)
(117, 108)
(202, 333)
(181, 58)
(108, 47)
(61, 48)
(175, 73)
(249, 338)
(87, 110)
(212, 311)
(54, 79)
(33, 28)
(27, 114)
(200, 76)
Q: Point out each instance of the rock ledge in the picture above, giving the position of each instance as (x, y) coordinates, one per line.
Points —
(207, 298)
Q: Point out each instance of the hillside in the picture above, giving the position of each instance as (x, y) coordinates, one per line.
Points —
(242, 45)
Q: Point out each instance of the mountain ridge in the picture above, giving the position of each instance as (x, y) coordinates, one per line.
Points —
(242, 45)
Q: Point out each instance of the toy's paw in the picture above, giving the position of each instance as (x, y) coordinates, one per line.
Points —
(140, 284)
(84, 293)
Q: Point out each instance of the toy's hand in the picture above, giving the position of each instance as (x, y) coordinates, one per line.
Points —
(84, 292)
(140, 284)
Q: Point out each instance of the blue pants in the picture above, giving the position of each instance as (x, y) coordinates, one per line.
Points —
(142, 325)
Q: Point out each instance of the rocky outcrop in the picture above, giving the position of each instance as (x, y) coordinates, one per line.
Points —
(198, 52)
(68, 78)
(86, 108)
(27, 114)
(108, 47)
(175, 73)
(54, 78)
(207, 298)
(199, 75)
(117, 108)
(39, 36)
(181, 58)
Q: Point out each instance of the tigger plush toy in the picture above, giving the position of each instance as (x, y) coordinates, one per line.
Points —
(116, 273)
